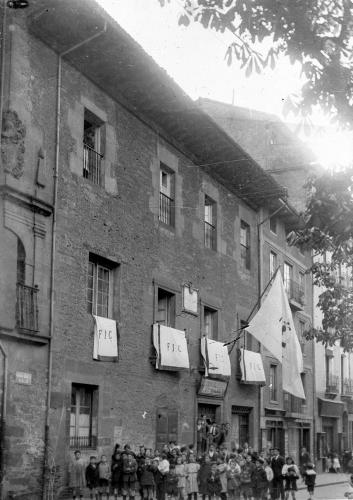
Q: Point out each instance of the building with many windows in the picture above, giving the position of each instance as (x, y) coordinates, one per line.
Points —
(286, 421)
(130, 254)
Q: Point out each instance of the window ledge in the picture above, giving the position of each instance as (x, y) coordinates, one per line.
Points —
(21, 336)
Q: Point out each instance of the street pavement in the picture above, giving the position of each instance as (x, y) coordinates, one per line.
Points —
(329, 486)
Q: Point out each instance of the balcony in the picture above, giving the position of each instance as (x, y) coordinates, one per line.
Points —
(332, 386)
(347, 387)
(296, 293)
(83, 442)
(210, 235)
(27, 308)
(293, 404)
(166, 209)
(92, 164)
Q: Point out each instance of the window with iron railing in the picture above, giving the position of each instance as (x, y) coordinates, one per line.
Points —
(292, 404)
(348, 387)
(27, 307)
(92, 148)
(92, 165)
(332, 383)
(294, 290)
(83, 416)
(166, 192)
(210, 223)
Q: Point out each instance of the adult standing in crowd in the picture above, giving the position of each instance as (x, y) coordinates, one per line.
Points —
(304, 458)
(277, 463)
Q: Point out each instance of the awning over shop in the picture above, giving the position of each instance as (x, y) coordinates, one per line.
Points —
(105, 343)
(252, 370)
(171, 348)
(328, 408)
(216, 358)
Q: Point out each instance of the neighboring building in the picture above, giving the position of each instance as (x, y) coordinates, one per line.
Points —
(123, 200)
(334, 390)
(286, 421)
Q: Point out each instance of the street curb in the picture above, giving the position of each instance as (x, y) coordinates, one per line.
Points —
(323, 484)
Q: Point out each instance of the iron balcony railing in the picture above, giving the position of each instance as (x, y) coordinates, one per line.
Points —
(348, 387)
(166, 209)
(92, 164)
(82, 442)
(295, 291)
(332, 383)
(210, 235)
(293, 404)
(27, 307)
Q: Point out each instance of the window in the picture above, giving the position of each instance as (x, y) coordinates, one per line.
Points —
(166, 427)
(210, 223)
(92, 148)
(99, 287)
(83, 417)
(288, 278)
(273, 225)
(245, 244)
(273, 383)
(273, 263)
(26, 296)
(166, 194)
(165, 314)
(210, 327)
(301, 283)
(301, 335)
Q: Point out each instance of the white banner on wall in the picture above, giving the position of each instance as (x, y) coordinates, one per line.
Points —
(171, 348)
(216, 358)
(105, 343)
(252, 369)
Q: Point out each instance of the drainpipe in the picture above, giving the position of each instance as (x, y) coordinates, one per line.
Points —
(3, 420)
(53, 246)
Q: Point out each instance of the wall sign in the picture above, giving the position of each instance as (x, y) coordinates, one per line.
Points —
(190, 299)
(24, 378)
(210, 387)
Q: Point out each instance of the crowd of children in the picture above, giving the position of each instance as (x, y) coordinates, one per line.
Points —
(180, 474)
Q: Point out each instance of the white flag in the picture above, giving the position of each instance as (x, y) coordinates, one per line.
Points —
(273, 326)
(105, 344)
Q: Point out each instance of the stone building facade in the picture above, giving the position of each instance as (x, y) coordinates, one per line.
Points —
(120, 199)
(285, 420)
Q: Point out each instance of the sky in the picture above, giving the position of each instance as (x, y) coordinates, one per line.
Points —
(194, 58)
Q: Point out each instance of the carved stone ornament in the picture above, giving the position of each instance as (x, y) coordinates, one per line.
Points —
(12, 144)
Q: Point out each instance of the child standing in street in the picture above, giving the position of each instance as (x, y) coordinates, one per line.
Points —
(171, 484)
(92, 478)
(104, 476)
(180, 472)
(290, 472)
(77, 475)
(191, 471)
(309, 478)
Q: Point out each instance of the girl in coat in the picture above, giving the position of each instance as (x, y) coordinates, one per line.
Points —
(191, 471)
(222, 469)
(180, 472)
(77, 475)
(214, 483)
(290, 472)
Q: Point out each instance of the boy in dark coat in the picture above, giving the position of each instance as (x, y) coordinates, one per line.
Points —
(146, 476)
(259, 480)
(117, 473)
(171, 484)
(92, 477)
(129, 466)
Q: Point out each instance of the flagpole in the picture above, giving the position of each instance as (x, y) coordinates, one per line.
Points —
(253, 309)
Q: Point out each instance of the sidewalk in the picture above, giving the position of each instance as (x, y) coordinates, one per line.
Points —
(326, 479)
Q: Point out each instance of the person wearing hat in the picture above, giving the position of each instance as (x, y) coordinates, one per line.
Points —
(277, 463)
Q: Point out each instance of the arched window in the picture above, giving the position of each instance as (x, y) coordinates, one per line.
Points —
(21, 262)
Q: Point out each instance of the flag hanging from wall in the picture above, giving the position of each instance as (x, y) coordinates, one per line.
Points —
(252, 370)
(273, 326)
(216, 358)
(171, 348)
(105, 343)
